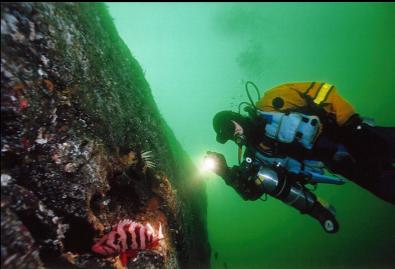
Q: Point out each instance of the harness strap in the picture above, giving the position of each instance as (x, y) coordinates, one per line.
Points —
(322, 93)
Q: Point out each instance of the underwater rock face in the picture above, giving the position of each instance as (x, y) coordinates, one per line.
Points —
(84, 146)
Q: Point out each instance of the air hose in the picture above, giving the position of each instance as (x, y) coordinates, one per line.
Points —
(248, 109)
(251, 105)
(249, 95)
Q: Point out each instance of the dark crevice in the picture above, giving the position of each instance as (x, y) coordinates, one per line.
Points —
(97, 203)
(38, 230)
(42, 234)
(79, 236)
(129, 188)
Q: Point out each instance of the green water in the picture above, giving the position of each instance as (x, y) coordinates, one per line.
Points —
(197, 56)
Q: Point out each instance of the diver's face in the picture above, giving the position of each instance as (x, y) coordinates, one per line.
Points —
(238, 129)
(238, 136)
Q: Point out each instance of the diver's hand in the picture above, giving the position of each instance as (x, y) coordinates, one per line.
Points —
(221, 167)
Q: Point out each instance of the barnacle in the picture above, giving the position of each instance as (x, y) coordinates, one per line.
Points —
(146, 156)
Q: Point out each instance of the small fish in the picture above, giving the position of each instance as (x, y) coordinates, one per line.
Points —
(216, 255)
(127, 239)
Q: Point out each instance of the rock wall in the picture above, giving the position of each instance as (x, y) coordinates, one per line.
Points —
(84, 146)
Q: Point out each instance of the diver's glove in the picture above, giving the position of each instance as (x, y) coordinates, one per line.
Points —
(221, 167)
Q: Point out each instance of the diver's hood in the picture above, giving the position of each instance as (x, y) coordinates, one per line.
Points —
(224, 127)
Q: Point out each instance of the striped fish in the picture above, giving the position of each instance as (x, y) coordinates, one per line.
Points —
(127, 239)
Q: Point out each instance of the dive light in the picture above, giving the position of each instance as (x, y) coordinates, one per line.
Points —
(208, 164)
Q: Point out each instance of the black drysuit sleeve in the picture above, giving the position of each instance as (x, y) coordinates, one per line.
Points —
(241, 179)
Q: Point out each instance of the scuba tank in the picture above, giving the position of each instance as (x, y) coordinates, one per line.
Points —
(277, 184)
(285, 179)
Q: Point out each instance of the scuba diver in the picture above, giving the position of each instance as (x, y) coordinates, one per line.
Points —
(294, 133)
